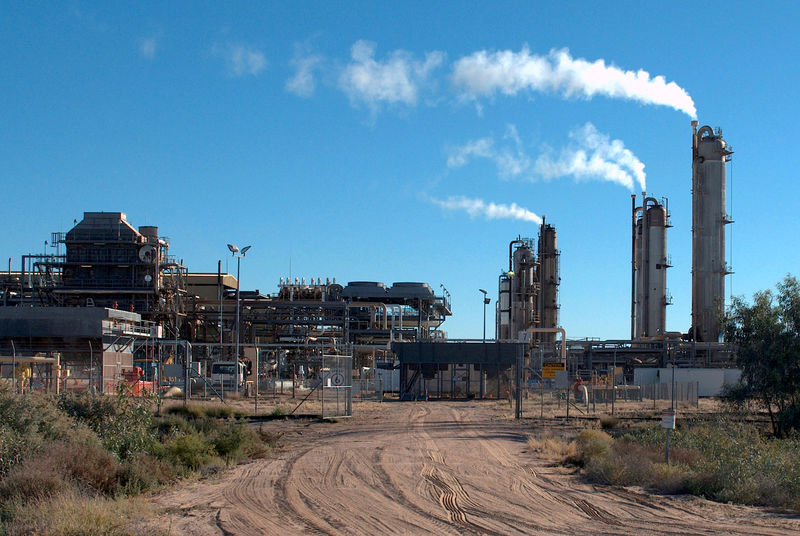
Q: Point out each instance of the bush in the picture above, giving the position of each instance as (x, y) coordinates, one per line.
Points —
(219, 411)
(723, 461)
(124, 424)
(279, 412)
(593, 444)
(190, 451)
(551, 446)
(58, 466)
(230, 441)
(145, 472)
(172, 425)
(194, 411)
(608, 422)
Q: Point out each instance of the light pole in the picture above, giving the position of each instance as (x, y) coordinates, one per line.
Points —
(486, 302)
(234, 250)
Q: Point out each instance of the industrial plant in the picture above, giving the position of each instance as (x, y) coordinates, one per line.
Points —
(113, 301)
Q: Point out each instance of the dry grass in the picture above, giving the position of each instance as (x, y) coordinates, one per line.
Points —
(726, 461)
(552, 447)
(71, 513)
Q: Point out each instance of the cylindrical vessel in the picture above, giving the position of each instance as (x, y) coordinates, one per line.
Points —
(656, 270)
(709, 218)
(549, 279)
(524, 291)
(503, 328)
(640, 286)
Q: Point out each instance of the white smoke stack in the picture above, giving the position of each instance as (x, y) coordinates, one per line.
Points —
(485, 73)
(593, 155)
(490, 211)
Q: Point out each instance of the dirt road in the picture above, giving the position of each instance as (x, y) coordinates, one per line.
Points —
(433, 468)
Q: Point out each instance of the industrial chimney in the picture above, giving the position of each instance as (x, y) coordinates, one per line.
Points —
(709, 154)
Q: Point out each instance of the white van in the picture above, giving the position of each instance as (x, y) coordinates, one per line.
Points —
(223, 375)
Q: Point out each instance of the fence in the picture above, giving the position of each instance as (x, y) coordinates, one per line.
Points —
(371, 389)
(337, 386)
(683, 392)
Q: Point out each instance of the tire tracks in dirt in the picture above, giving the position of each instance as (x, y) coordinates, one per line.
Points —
(435, 468)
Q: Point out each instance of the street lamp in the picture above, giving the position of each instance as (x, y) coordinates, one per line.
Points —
(234, 250)
(486, 302)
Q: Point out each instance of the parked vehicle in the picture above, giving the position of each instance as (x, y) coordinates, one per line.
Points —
(223, 375)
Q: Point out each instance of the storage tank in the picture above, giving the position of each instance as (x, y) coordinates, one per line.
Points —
(549, 279)
(710, 152)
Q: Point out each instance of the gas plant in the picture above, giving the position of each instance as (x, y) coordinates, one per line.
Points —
(107, 294)
(528, 290)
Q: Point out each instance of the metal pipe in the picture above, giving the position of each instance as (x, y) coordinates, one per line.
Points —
(236, 359)
(634, 210)
(91, 367)
(373, 305)
(13, 366)
(563, 333)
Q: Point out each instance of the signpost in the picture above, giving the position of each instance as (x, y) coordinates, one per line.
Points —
(668, 423)
(549, 369)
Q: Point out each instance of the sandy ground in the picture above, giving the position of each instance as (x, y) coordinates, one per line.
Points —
(435, 467)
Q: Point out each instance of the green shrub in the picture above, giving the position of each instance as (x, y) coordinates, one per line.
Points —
(219, 411)
(190, 451)
(279, 412)
(724, 460)
(230, 441)
(171, 425)
(189, 410)
(124, 424)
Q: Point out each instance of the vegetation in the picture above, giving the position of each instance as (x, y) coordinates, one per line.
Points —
(766, 339)
(70, 464)
(725, 461)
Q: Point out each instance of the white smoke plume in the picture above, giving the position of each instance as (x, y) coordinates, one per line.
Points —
(398, 79)
(510, 162)
(593, 155)
(489, 211)
(484, 73)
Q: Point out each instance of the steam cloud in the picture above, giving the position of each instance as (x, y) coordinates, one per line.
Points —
(594, 155)
(490, 211)
(483, 73)
(398, 79)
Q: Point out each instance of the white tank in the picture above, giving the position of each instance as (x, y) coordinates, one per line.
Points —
(710, 153)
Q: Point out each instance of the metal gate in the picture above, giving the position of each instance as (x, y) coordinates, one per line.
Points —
(337, 386)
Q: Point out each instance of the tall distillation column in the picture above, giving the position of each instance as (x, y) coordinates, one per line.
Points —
(709, 154)
(518, 291)
(549, 279)
(524, 289)
(650, 222)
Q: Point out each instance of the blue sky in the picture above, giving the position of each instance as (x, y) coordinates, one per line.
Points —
(408, 142)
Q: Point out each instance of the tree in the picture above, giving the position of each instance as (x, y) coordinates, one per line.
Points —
(766, 340)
